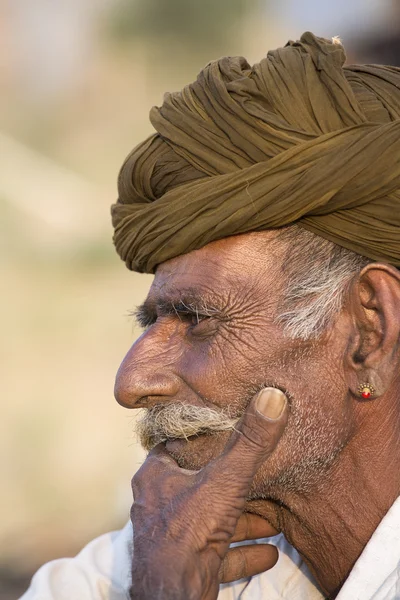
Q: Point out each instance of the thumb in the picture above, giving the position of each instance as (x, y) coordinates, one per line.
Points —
(258, 432)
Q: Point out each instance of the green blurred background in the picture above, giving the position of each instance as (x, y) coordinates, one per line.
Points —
(77, 79)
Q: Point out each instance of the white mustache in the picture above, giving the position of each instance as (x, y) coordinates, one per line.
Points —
(178, 420)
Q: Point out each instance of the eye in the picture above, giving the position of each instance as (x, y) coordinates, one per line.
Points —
(193, 319)
(201, 325)
(196, 319)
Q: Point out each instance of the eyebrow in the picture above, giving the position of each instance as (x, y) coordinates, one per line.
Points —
(188, 302)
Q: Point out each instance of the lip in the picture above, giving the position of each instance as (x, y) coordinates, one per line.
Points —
(178, 443)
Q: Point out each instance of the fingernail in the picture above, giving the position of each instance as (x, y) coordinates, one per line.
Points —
(271, 403)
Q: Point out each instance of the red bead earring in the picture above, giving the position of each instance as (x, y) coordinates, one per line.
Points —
(366, 390)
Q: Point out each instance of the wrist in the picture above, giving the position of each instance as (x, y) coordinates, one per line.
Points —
(167, 576)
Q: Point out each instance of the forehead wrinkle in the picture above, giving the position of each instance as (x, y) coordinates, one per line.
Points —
(225, 272)
(238, 293)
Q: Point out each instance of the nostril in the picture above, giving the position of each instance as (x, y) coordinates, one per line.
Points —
(137, 390)
(128, 400)
(145, 372)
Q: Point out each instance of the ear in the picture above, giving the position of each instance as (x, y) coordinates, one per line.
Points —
(372, 355)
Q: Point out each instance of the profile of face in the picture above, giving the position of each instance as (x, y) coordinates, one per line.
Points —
(213, 339)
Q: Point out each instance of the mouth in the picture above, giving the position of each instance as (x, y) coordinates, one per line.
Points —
(179, 424)
(175, 444)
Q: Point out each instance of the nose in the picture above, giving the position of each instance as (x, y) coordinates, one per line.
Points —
(146, 374)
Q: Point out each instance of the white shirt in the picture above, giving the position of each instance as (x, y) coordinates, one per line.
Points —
(101, 571)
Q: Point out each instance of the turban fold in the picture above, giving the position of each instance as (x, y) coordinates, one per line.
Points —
(296, 139)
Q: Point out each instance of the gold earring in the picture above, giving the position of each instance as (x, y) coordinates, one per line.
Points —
(366, 390)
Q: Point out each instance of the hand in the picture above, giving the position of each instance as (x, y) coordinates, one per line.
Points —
(252, 559)
(184, 521)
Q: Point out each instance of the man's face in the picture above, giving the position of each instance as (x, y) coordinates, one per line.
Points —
(215, 341)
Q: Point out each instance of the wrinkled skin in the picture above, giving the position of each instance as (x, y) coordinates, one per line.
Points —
(326, 461)
(200, 534)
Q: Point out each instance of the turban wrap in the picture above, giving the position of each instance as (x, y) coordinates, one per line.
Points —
(296, 139)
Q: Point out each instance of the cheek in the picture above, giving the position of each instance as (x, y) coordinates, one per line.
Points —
(216, 369)
(233, 366)
(321, 424)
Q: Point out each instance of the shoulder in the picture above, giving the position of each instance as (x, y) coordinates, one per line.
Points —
(101, 570)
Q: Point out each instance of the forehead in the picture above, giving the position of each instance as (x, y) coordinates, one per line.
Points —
(237, 262)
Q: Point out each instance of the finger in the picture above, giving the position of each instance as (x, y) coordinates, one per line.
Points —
(158, 458)
(252, 527)
(157, 463)
(257, 433)
(246, 561)
(161, 451)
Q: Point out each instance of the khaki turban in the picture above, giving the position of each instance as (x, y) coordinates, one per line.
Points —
(295, 139)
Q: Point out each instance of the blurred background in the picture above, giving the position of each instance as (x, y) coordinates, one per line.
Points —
(77, 80)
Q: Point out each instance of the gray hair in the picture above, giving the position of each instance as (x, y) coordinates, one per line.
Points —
(317, 274)
(177, 420)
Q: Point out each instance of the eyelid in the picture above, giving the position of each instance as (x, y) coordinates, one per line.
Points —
(146, 321)
(198, 316)
(146, 318)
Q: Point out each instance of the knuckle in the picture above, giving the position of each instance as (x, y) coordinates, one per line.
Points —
(222, 570)
(133, 512)
(247, 525)
(234, 566)
(135, 486)
(226, 568)
(241, 563)
(255, 437)
(260, 434)
(144, 474)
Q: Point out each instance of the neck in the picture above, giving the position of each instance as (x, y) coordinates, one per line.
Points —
(331, 526)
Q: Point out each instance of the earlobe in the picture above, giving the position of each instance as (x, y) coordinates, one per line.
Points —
(372, 357)
(366, 390)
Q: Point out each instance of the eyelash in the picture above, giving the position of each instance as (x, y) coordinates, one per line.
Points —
(193, 318)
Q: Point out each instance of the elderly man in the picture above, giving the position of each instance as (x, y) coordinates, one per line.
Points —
(267, 205)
